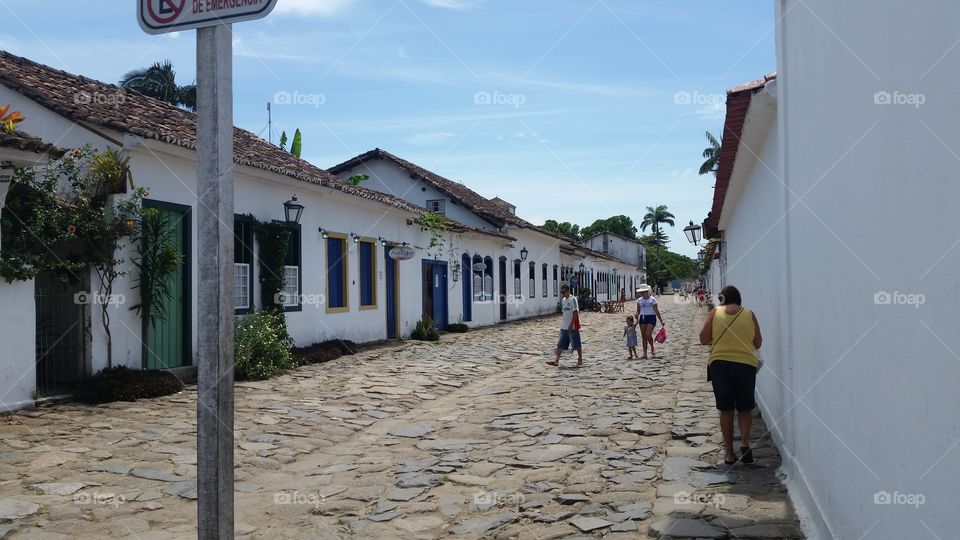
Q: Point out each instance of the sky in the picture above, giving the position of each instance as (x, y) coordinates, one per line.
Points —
(572, 110)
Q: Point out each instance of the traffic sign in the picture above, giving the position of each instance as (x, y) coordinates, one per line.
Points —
(162, 16)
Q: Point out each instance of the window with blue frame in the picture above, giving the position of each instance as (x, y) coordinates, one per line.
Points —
(337, 299)
(367, 253)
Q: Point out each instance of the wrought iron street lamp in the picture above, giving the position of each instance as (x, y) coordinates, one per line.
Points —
(293, 210)
(582, 268)
(693, 233)
(524, 253)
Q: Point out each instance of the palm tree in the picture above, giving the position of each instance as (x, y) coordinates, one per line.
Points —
(652, 219)
(712, 153)
(160, 81)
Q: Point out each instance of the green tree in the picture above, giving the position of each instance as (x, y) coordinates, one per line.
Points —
(668, 266)
(566, 229)
(160, 81)
(712, 155)
(620, 225)
(653, 220)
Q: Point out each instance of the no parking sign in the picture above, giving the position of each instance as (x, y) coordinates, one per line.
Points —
(162, 16)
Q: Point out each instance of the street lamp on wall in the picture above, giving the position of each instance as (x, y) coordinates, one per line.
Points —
(693, 233)
(524, 253)
(582, 268)
(456, 272)
(324, 234)
(293, 211)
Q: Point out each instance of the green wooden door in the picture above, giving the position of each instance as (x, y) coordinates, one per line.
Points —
(168, 343)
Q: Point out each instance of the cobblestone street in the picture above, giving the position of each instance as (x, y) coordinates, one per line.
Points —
(473, 436)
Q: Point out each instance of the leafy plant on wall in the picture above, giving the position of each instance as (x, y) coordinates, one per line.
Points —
(157, 262)
(58, 219)
(357, 179)
(273, 240)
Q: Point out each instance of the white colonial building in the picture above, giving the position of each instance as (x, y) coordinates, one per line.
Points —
(480, 264)
(834, 214)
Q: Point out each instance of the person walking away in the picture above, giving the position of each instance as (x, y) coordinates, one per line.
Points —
(700, 297)
(630, 334)
(734, 335)
(569, 327)
(622, 300)
(647, 315)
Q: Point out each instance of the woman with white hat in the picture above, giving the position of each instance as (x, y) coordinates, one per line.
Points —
(647, 315)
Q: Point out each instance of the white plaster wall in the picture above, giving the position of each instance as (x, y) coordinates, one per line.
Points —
(754, 244)
(17, 345)
(877, 383)
(386, 177)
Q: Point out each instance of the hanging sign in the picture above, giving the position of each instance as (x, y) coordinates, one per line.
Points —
(162, 16)
(402, 253)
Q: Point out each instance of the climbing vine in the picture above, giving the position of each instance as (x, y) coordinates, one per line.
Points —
(273, 240)
(66, 217)
(436, 225)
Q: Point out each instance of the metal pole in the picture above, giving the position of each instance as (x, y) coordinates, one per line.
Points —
(215, 290)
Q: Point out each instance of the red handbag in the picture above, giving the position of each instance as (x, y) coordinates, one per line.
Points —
(661, 335)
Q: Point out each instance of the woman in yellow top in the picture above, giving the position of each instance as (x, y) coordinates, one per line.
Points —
(734, 333)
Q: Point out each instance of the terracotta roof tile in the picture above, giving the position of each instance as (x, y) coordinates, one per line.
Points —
(489, 209)
(94, 102)
(738, 102)
(19, 140)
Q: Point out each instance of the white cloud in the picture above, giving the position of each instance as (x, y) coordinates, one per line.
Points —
(452, 4)
(431, 138)
(311, 7)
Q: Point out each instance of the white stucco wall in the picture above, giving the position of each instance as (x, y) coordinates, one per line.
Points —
(866, 400)
(17, 345)
(387, 177)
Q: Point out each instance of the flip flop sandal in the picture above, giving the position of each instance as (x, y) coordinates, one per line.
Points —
(746, 454)
(552, 363)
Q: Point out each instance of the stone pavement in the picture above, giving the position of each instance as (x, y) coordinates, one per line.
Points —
(473, 436)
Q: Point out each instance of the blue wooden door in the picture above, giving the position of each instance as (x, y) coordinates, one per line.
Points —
(391, 278)
(435, 292)
(467, 278)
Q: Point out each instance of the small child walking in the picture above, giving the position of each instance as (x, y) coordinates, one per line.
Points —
(630, 334)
